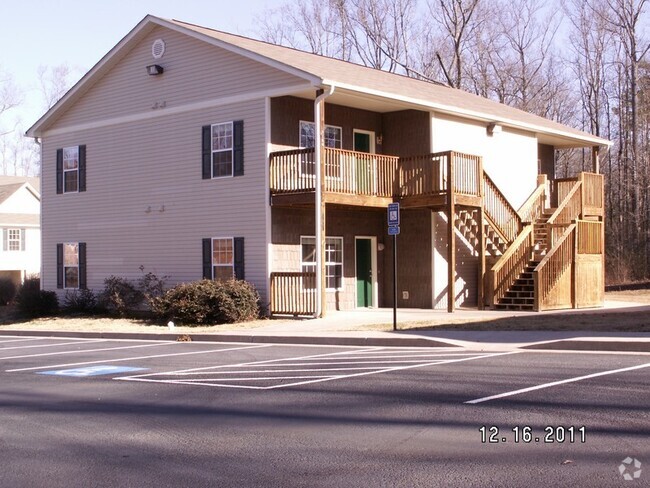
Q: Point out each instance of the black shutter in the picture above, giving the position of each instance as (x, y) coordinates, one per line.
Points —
(59, 170)
(82, 265)
(207, 259)
(59, 265)
(238, 148)
(22, 239)
(206, 137)
(239, 258)
(82, 168)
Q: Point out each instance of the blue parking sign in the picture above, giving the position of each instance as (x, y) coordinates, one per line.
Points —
(393, 214)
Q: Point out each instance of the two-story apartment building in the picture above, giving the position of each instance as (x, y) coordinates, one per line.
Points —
(20, 206)
(198, 153)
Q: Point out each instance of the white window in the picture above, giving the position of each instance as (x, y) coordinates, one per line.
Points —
(14, 239)
(70, 169)
(331, 138)
(222, 150)
(71, 265)
(223, 259)
(333, 261)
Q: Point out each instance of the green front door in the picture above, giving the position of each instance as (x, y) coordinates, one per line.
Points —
(364, 272)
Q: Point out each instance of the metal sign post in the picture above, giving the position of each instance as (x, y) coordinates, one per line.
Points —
(393, 230)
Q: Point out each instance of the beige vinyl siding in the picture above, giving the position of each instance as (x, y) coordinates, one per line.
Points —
(194, 71)
(147, 165)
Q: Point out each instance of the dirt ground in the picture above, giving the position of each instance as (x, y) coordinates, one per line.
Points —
(629, 319)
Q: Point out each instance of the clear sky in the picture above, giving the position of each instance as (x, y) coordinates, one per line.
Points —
(79, 32)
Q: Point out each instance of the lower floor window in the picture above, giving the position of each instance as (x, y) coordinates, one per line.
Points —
(333, 261)
(14, 239)
(223, 259)
(71, 265)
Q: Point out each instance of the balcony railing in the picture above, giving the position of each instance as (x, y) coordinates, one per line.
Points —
(357, 173)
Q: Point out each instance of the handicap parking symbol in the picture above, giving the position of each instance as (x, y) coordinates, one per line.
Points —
(91, 371)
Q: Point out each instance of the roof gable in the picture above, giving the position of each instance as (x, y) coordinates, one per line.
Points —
(322, 71)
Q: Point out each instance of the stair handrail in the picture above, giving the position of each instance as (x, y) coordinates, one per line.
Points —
(510, 222)
(533, 207)
(557, 260)
(567, 211)
(511, 264)
(570, 208)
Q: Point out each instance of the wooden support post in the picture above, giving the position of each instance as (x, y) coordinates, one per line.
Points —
(481, 259)
(481, 239)
(595, 159)
(451, 235)
(574, 267)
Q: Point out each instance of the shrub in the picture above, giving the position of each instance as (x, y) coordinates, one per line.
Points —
(151, 285)
(80, 301)
(31, 301)
(120, 296)
(7, 290)
(208, 302)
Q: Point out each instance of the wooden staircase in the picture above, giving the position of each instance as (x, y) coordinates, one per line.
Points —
(521, 295)
(468, 226)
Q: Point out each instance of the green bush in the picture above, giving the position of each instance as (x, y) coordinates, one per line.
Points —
(151, 285)
(120, 296)
(7, 290)
(208, 302)
(80, 302)
(31, 301)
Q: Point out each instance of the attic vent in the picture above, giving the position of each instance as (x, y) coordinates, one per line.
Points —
(158, 48)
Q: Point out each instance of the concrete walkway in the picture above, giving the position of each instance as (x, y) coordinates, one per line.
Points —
(360, 327)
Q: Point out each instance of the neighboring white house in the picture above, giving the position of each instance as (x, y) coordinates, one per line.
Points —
(20, 208)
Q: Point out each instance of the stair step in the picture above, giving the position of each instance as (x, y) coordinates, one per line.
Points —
(514, 307)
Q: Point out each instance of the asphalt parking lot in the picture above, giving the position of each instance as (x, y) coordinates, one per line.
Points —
(105, 412)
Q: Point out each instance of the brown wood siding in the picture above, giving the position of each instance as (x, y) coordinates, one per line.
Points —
(406, 133)
(413, 261)
(289, 224)
(287, 112)
(546, 157)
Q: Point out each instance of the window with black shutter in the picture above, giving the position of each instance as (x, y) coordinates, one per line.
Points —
(222, 153)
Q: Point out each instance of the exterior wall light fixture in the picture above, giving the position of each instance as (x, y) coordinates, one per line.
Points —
(154, 70)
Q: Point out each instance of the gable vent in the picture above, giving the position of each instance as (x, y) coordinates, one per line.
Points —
(158, 48)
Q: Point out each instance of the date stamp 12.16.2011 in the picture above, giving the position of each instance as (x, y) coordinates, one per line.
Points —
(526, 434)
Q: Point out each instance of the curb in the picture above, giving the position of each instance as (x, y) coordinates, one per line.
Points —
(605, 346)
(254, 339)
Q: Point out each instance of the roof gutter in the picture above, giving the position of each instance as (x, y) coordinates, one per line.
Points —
(319, 199)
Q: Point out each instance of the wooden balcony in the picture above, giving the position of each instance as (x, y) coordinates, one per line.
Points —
(375, 180)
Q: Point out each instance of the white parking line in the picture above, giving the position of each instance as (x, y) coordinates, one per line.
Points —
(58, 366)
(19, 340)
(556, 383)
(54, 345)
(223, 382)
(81, 351)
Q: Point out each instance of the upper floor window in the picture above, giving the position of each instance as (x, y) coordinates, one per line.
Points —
(223, 150)
(71, 169)
(332, 135)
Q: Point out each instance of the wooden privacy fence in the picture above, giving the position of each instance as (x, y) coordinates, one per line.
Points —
(293, 293)
(590, 237)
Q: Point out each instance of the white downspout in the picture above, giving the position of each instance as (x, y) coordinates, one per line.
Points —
(319, 197)
(39, 142)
